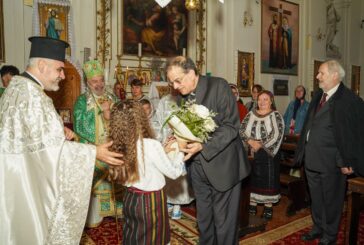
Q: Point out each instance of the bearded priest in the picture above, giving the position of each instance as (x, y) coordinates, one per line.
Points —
(45, 180)
(91, 123)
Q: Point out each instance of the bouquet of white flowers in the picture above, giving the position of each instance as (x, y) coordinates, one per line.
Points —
(192, 122)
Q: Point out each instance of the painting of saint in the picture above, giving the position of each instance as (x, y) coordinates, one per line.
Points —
(245, 73)
(274, 33)
(131, 75)
(244, 80)
(286, 44)
(162, 31)
(53, 20)
(145, 77)
(280, 36)
(54, 26)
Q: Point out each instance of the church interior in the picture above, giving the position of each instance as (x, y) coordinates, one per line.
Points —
(232, 39)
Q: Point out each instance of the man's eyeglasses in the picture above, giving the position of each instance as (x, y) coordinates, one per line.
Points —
(177, 81)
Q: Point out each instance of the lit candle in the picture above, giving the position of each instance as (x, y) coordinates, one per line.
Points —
(139, 49)
(106, 75)
(184, 52)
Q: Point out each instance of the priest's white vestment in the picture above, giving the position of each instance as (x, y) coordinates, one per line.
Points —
(45, 181)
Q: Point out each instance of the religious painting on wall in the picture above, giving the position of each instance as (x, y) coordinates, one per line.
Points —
(245, 73)
(2, 44)
(161, 31)
(355, 79)
(280, 37)
(158, 75)
(53, 21)
(144, 75)
(130, 75)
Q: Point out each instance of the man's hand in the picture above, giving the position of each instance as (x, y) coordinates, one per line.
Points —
(191, 149)
(69, 133)
(105, 107)
(347, 170)
(109, 157)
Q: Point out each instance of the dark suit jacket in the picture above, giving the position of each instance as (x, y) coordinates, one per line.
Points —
(223, 157)
(345, 112)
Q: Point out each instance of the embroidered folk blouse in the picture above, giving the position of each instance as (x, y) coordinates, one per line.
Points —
(155, 164)
(268, 129)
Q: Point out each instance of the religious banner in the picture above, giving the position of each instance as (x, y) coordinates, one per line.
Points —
(279, 37)
(161, 31)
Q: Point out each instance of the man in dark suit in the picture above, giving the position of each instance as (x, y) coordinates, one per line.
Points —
(329, 146)
(217, 166)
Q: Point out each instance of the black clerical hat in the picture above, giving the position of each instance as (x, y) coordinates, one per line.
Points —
(45, 47)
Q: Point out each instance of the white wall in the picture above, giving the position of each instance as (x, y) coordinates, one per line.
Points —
(225, 35)
(17, 28)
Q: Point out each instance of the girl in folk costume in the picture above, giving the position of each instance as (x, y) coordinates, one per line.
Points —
(91, 119)
(262, 130)
(145, 164)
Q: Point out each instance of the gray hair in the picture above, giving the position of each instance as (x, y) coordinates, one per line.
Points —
(185, 63)
(335, 66)
(32, 62)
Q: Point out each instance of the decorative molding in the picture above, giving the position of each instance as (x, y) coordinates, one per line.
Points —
(201, 36)
(103, 30)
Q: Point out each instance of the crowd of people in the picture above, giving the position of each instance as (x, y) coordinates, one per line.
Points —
(125, 163)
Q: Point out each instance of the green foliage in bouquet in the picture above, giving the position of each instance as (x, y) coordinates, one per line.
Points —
(197, 118)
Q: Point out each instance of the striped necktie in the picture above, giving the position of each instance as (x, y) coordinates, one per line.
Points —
(322, 102)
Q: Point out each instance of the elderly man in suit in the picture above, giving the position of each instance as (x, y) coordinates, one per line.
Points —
(217, 166)
(329, 146)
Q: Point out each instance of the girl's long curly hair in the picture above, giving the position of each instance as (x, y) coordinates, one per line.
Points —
(128, 124)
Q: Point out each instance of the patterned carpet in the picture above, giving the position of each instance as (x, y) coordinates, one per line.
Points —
(184, 231)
